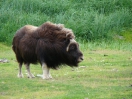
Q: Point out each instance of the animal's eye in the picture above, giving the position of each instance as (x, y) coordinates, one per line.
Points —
(72, 47)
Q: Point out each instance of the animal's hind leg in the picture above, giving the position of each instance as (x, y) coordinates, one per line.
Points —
(30, 75)
(20, 75)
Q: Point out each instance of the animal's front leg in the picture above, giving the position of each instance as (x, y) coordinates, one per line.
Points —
(46, 72)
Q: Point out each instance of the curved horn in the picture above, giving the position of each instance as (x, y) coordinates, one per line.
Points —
(71, 41)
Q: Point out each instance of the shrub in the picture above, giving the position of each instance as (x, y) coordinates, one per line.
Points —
(89, 19)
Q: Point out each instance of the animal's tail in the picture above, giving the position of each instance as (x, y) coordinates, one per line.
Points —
(13, 45)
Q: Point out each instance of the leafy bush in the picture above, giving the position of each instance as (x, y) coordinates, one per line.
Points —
(89, 19)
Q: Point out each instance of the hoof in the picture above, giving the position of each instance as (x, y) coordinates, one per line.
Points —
(44, 77)
(31, 76)
(20, 76)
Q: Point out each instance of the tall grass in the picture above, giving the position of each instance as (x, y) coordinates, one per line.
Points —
(89, 19)
(118, 45)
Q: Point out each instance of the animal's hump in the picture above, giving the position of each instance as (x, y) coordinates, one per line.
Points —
(30, 28)
(55, 31)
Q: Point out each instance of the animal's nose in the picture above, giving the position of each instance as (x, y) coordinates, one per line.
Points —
(82, 58)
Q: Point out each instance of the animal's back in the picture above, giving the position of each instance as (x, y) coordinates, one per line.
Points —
(24, 44)
(26, 30)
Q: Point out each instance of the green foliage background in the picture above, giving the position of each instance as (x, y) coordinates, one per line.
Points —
(89, 19)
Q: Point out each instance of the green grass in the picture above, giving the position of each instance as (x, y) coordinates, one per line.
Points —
(89, 19)
(106, 73)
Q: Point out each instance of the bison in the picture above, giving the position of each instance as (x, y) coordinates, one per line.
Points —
(49, 44)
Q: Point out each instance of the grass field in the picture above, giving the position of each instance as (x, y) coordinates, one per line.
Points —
(104, 30)
(104, 74)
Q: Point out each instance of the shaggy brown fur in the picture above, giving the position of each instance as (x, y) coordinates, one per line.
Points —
(47, 43)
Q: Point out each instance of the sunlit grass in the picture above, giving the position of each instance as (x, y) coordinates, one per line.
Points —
(104, 74)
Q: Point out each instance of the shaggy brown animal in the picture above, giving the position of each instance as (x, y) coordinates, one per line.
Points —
(49, 44)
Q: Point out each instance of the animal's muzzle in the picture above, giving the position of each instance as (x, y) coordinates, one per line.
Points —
(80, 59)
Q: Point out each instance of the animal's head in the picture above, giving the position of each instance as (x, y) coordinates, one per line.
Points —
(74, 53)
(66, 40)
